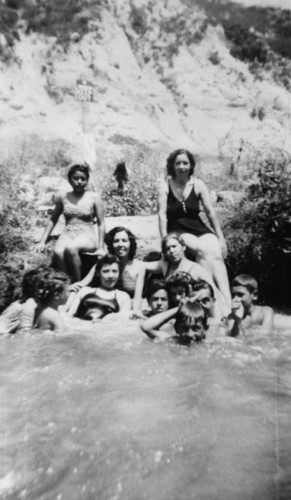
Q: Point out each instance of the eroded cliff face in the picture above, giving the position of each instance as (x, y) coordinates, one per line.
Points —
(161, 78)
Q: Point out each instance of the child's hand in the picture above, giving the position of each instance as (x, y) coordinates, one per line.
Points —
(237, 309)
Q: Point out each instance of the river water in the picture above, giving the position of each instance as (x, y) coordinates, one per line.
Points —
(112, 415)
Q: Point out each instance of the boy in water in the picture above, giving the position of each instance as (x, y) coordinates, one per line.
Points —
(190, 318)
(157, 297)
(245, 313)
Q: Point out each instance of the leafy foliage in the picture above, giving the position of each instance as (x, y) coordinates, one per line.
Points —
(259, 231)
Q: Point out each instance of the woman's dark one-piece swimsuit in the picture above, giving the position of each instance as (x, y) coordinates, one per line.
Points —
(92, 301)
(183, 216)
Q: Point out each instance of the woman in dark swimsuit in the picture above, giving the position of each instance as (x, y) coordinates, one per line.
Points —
(179, 199)
(95, 302)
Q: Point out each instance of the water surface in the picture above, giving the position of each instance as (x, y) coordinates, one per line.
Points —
(112, 415)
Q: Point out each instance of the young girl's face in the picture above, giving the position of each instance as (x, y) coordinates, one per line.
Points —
(121, 244)
(174, 251)
(109, 275)
(79, 181)
(177, 293)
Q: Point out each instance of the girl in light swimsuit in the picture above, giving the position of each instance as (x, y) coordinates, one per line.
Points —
(122, 243)
(81, 209)
(95, 302)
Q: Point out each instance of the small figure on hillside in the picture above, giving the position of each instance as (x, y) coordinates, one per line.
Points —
(82, 209)
(121, 176)
(179, 199)
(245, 313)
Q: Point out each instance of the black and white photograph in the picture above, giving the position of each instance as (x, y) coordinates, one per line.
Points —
(145, 249)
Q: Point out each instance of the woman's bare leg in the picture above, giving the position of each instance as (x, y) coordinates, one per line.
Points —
(209, 255)
(72, 255)
(58, 257)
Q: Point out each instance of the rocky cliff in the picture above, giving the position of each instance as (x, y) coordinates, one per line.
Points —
(163, 77)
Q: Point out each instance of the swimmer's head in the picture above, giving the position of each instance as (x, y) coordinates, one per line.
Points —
(191, 322)
(204, 294)
(171, 160)
(178, 286)
(157, 296)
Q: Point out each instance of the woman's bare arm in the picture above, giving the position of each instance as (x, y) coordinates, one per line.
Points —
(98, 206)
(152, 324)
(58, 210)
(162, 207)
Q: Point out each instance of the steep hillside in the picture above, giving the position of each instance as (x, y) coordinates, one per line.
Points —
(165, 74)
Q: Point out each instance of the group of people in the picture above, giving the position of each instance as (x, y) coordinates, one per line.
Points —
(185, 294)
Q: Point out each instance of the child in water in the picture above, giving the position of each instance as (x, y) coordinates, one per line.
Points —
(245, 313)
(52, 292)
(19, 316)
(157, 297)
(190, 318)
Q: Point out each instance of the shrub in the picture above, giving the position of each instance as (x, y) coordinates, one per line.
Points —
(259, 231)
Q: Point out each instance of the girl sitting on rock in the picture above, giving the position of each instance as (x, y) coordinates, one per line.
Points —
(81, 209)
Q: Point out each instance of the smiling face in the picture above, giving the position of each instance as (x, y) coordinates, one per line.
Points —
(78, 181)
(173, 250)
(182, 165)
(245, 297)
(159, 301)
(193, 332)
(121, 244)
(109, 275)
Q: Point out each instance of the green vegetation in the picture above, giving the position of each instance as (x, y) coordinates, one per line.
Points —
(259, 230)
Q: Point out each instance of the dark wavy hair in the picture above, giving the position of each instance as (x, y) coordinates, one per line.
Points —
(247, 281)
(203, 285)
(172, 158)
(48, 283)
(109, 238)
(104, 261)
(154, 286)
(79, 167)
(175, 236)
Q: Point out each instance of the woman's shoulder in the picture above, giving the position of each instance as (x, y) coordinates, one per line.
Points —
(121, 295)
(163, 184)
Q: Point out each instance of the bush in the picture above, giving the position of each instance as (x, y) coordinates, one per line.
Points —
(259, 231)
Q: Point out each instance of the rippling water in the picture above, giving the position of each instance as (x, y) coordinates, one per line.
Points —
(113, 415)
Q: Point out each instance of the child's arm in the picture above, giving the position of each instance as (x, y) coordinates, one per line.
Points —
(151, 325)
(75, 287)
(235, 326)
(139, 284)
